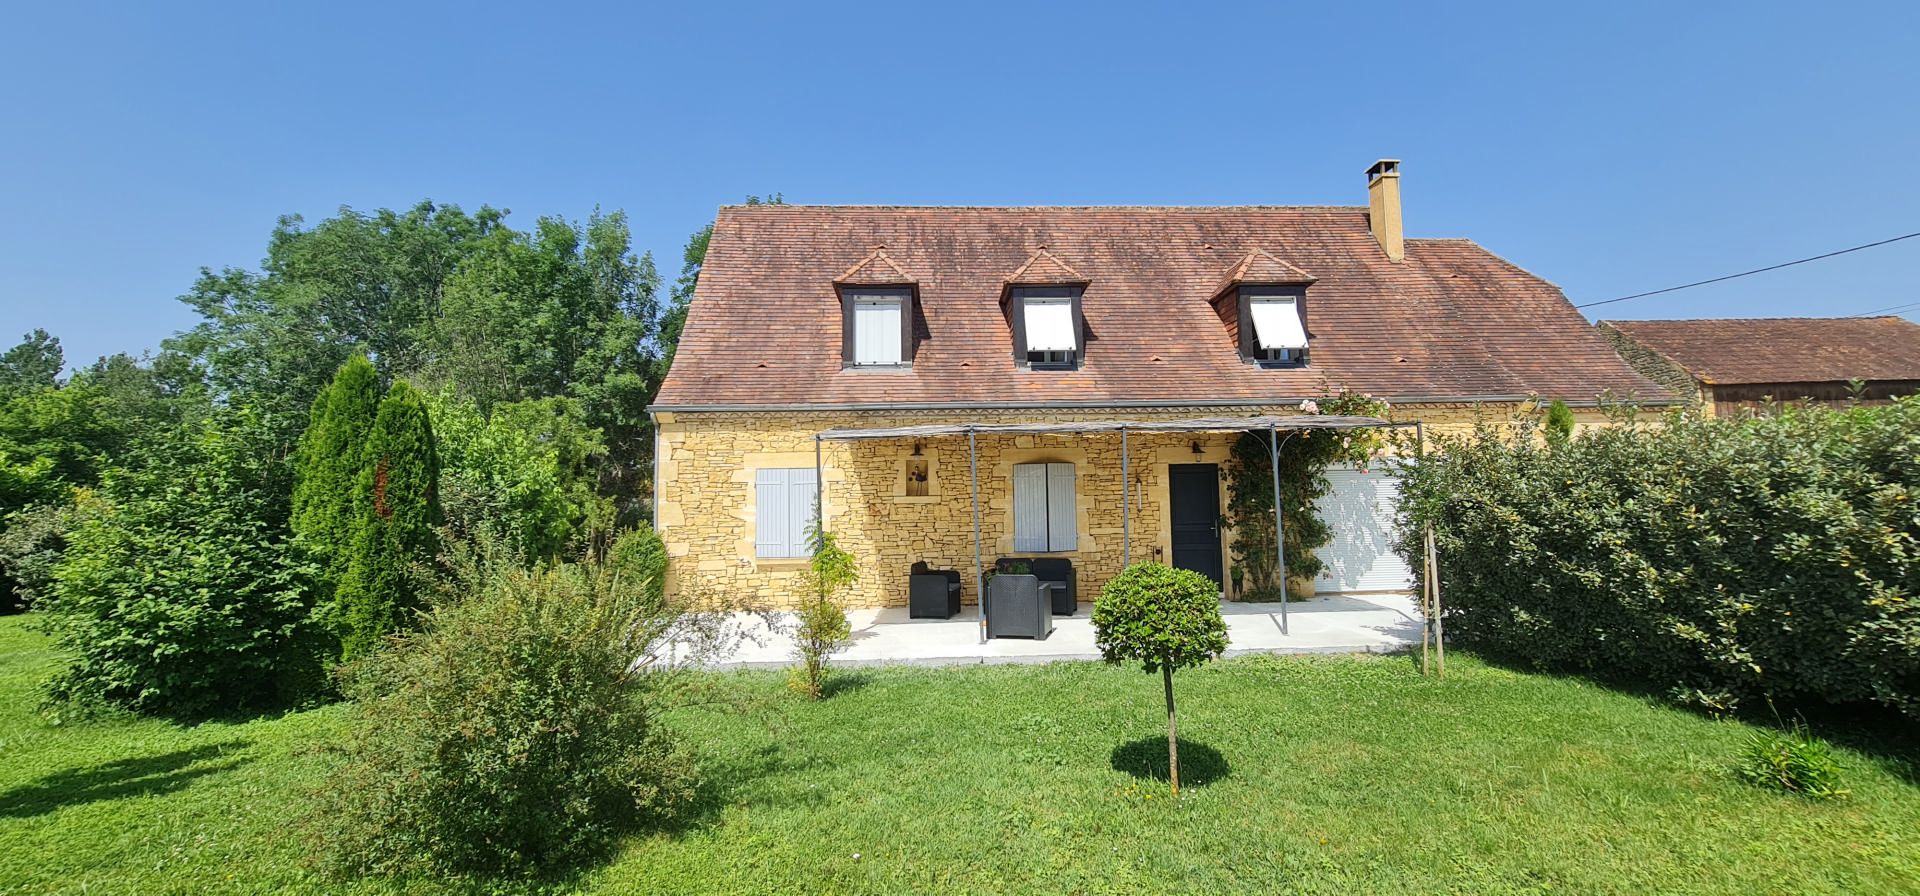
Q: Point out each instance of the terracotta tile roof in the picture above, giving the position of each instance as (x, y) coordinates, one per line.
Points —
(1451, 322)
(1261, 268)
(1784, 349)
(877, 269)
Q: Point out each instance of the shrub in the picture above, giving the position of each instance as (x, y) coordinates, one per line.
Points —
(821, 628)
(1721, 559)
(1559, 423)
(31, 543)
(179, 592)
(523, 473)
(1792, 761)
(641, 557)
(397, 507)
(515, 733)
(328, 464)
(1166, 619)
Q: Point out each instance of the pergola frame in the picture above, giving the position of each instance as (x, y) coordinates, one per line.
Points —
(1272, 425)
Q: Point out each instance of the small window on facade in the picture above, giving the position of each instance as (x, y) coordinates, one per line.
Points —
(1280, 338)
(1052, 336)
(878, 329)
(783, 512)
(1044, 509)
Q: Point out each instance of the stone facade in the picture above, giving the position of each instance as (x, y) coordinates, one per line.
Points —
(708, 461)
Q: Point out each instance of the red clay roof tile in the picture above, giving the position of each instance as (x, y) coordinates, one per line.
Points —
(1784, 349)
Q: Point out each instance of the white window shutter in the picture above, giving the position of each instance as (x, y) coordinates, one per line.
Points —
(800, 511)
(771, 495)
(876, 332)
(1029, 507)
(1062, 517)
(1276, 324)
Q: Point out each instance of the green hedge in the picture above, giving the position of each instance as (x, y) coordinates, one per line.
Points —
(1723, 559)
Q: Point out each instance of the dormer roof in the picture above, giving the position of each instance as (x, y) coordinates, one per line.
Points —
(1262, 268)
(1044, 268)
(877, 269)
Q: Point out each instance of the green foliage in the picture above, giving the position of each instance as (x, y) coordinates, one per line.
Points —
(641, 557)
(821, 628)
(522, 475)
(396, 510)
(1726, 559)
(31, 543)
(179, 593)
(1792, 761)
(1304, 458)
(32, 365)
(329, 463)
(1559, 422)
(1160, 617)
(516, 733)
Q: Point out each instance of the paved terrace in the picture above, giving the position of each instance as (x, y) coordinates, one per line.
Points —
(1337, 624)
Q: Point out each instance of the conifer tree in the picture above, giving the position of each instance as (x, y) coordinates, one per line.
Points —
(397, 507)
(327, 467)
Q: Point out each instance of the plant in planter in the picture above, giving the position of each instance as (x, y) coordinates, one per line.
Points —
(1166, 619)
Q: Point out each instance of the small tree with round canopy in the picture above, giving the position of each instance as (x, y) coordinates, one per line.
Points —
(1165, 619)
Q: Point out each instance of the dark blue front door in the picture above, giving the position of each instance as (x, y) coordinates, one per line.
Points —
(1193, 499)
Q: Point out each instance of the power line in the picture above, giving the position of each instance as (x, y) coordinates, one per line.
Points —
(1886, 310)
(1773, 267)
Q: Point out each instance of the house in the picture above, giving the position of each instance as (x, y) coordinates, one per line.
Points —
(846, 320)
(1726, 366)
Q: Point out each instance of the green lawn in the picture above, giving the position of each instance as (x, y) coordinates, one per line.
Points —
(1332, 776)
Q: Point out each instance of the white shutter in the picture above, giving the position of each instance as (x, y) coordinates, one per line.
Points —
(1029, 507)
(1050, 325)
(1276, 324)
(801, 496)
(770, 518)
(876, 331)
(1062, 520)
(1358, 508)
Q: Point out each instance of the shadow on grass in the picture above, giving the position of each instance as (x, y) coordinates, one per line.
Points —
(122, 778)
(1200, 764)
(844, 681)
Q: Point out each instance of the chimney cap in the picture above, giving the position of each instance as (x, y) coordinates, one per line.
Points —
(1383, 168)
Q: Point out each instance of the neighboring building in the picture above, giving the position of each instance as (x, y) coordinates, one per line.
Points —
(807, 319)
(1727, 366)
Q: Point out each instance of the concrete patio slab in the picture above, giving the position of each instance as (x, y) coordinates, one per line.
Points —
(1372, 623)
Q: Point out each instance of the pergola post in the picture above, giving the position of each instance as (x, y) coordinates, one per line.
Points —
(1279, 522)
(979, 569)
(819, 490)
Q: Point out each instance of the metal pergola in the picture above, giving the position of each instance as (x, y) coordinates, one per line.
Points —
(1273, 425)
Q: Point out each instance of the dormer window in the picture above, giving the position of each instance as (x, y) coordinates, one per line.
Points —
(1050, 325)
(1279, 335)
(877, 327)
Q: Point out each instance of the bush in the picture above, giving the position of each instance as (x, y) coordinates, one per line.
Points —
(821, 628)
(641, 557)
(1165, 619)
(1792, 761)
(521, 474)
(328, 464)
(397, 509)
(31, 543)
(515, 733)
(179, 592)
(1723, 559)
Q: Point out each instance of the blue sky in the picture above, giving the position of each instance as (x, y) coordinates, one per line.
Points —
(1611, 148)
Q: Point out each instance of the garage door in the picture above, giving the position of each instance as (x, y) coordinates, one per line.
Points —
(1359, 509)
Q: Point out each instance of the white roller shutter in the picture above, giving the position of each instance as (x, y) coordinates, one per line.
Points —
(1359, 509)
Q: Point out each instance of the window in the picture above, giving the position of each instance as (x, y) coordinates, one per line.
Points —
(1044, 516)
(1279, 336)
(1049, 327)
(783, 512)
(876, 333)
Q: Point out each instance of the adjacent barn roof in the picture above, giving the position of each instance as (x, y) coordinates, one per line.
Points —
(1784, 349)
(1453, 321)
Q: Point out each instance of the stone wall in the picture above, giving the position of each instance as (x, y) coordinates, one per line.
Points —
(707, 464)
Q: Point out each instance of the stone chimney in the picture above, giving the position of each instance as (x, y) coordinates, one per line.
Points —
(1383, 208)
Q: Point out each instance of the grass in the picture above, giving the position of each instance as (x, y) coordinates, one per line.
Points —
(1306, 775)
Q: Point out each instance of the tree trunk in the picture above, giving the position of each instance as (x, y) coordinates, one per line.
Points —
(1173, 749)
